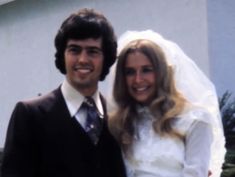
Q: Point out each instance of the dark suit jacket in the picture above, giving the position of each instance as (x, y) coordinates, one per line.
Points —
(44, 141)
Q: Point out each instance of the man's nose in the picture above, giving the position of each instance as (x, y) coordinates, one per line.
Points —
(83, 57)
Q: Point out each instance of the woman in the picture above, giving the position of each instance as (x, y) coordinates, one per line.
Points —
(166, 110)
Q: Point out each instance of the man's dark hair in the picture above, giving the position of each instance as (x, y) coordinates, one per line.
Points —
(84, 24)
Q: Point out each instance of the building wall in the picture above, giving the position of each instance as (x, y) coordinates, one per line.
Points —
(28, 28)
(221, 36)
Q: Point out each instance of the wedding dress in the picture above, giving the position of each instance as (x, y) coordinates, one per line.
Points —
(153, 156)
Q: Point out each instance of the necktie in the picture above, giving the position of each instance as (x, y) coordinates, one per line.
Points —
(93, 124)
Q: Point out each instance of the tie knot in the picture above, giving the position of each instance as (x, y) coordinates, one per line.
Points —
(89, 101)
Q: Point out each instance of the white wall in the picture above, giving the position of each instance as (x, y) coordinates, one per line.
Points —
(28, 27)
(221, 23)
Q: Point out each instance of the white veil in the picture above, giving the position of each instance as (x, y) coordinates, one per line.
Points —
(190, 81)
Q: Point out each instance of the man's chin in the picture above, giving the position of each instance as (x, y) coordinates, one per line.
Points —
(85, 84)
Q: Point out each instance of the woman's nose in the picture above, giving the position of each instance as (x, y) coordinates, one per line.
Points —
(138, 77)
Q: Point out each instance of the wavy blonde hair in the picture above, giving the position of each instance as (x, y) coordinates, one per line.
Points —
(166, 104)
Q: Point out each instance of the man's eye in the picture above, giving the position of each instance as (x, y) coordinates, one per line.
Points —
(130, 72)
(73, 50)
(93, 51)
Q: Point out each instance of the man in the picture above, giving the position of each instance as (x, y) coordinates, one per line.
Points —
(50, 136)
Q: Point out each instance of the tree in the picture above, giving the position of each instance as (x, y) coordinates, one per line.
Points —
(227, 108)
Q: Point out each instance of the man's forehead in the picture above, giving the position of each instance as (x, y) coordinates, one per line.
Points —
(86, 42)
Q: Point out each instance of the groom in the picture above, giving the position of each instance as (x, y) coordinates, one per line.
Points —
(49, 136)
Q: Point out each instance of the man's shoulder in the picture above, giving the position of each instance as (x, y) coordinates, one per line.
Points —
(44, 100)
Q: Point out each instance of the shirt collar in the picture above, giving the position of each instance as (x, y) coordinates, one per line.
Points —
(74, 99)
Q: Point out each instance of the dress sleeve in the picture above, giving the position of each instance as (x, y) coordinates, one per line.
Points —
(197, 150)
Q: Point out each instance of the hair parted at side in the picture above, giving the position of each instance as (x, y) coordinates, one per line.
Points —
(86, 23)
(166, 104)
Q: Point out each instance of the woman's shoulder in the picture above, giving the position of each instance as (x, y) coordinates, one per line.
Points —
(191, 115)
(195, 113)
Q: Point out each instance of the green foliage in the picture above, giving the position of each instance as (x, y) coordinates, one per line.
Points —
(227, 108)
(228, 169)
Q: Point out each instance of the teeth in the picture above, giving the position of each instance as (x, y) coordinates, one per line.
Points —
(141, 89)
(83, 70)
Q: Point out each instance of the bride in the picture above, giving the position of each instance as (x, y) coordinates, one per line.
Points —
(164, 110)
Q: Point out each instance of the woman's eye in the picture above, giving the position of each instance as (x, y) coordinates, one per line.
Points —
(129, 72)
(147, 70)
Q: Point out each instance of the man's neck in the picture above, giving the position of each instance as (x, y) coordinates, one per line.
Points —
(86, 90)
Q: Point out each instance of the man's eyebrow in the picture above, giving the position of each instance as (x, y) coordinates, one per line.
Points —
(93, 48)
(87, 47)
(72, 45)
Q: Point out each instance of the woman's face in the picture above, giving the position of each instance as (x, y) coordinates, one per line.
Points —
(140, 77)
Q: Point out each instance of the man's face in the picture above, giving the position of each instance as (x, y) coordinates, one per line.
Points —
(83, 63)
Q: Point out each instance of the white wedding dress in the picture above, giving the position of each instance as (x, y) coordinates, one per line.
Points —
(155, 156)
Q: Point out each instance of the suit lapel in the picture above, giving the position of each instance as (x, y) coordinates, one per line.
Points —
(59, 112)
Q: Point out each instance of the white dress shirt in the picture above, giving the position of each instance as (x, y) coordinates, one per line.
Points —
(74, 100)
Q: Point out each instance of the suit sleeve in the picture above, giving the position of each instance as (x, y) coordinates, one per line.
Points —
(19, 157)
